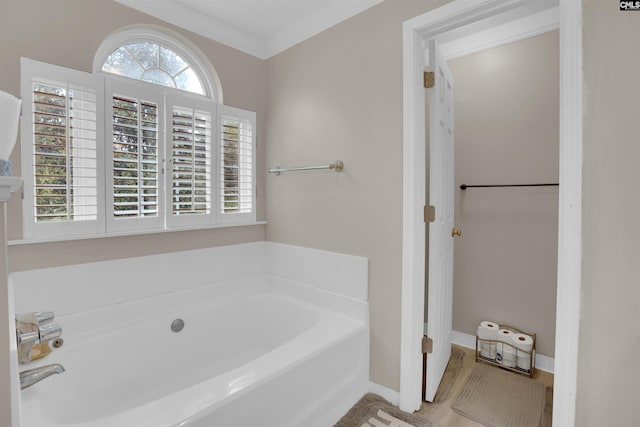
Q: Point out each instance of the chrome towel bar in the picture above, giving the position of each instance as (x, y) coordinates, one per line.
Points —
(337, 166)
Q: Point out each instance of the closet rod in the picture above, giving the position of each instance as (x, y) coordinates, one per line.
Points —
(465, 186)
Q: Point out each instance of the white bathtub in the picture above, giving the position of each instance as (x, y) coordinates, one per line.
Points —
(260, 350)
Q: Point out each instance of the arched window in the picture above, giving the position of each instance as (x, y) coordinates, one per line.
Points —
(153, 63)
(142, 143)
(158, 56)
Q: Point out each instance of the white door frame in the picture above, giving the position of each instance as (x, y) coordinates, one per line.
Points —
(415, 32)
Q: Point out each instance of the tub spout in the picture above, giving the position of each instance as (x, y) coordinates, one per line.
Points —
(33, 376)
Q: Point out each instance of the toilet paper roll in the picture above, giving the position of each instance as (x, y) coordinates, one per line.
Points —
(485, 349)
(524, 345)
(504, 336)
(522, 342)
(523, 361)
(488, 330)
(509, 358)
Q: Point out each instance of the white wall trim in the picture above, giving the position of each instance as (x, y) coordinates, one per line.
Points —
(69, 238)
(543, 363)
(413, 227)
(207, 26)
(462, 339)
(519, 29)
(390, 395)
(311, 26)
(570, 215)
(214, 29)
(415, 31)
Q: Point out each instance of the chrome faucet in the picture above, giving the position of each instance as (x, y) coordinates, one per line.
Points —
(33, 376)
(34, 328)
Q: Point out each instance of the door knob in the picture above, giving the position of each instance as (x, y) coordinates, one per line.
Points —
(456, 232)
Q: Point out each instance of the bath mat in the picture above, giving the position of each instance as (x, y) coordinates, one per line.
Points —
(497, 398)
(374, 411)
(450, 374)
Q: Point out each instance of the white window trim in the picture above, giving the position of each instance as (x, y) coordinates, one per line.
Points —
(103, 226)
(69, 238)
(171, 39)
(225, 111)
(147, 92)
(196, 102)
(31, 69)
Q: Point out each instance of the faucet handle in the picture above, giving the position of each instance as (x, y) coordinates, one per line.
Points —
(34, 328)
(28, 338)
(36, 318)
(49, 332)
(26, 341)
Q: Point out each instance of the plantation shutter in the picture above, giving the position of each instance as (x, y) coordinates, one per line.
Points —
(61, 132)
(237, 165)
(190, 124)
(103, 155)
(134, 156)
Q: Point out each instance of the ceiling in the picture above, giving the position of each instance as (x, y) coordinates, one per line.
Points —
(261, 28)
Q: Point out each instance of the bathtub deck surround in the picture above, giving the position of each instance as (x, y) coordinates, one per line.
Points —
(281, 329)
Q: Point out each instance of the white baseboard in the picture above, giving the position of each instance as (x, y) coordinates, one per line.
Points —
(389, 394)
(544, 363)
(464, 340)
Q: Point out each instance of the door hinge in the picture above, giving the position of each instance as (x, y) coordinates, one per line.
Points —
(427, 345)
(429, 79)
(429, 213)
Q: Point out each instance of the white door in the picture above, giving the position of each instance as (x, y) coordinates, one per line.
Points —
(441, 190)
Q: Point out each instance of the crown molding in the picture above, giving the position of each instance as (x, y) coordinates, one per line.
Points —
(195, 21)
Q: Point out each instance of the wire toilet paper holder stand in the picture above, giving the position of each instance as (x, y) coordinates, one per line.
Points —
(519, 353)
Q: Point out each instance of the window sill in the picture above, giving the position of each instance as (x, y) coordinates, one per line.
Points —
(19, 242)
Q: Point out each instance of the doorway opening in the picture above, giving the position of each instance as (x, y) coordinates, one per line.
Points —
(457, 21)
(504, 217)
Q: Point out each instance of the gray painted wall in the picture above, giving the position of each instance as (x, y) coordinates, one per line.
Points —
(68, 33)
(507, 132)
(336, 96)
(609, 342)
(340, 96)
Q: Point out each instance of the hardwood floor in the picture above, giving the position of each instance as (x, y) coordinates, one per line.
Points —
(442, 415)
